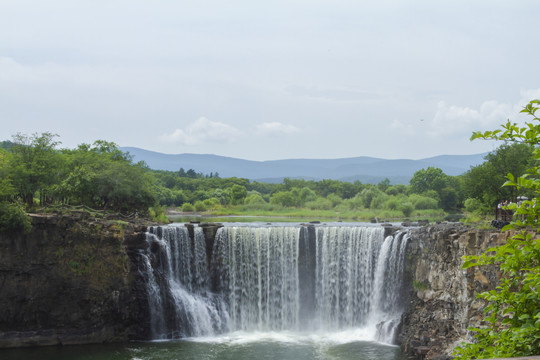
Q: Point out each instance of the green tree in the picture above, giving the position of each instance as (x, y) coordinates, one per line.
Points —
(284, 198)
(7, 191)
(485, 181)
(102, 176)
(435, 180)
(238, 194)
(384, 185)
(34, 165)
(431, 178)
(406, 208)
(513, 310)
(13, 218)
(306, 195)
(368, 194)
(254, 199)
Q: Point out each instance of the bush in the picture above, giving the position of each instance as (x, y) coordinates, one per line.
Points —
(407, 209)
(211, 203)
(378, 201)
(425, 203)
(355, 203)
(13, 218)
(253, 199)
(187, 207)
(320, 204)
(283, 198)
(392, 204)
(334, 199)
(473, 205)
(199, 206)
(157, 213)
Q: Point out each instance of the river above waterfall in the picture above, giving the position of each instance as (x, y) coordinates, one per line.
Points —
(346, 345)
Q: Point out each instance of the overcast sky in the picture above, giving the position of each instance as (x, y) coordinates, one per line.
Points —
(268, 80)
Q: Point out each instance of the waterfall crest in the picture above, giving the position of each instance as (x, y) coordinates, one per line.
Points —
(294, 278)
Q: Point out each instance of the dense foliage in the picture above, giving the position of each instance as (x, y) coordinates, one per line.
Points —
(484, 183)
(513, 310)
(35, 174)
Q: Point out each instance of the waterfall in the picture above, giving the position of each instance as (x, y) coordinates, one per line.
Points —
(179, 276)
(258, 268)
(273, 278)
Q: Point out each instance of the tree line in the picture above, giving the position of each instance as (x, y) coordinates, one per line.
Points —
(34, 172)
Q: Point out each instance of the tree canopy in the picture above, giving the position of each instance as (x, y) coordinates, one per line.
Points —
(485, 181)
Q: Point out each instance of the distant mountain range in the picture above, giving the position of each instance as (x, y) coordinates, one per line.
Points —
(363, 168)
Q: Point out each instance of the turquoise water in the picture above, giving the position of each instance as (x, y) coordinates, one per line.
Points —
(272, 346)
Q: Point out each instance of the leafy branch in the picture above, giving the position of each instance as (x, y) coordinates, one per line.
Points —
(513, 309)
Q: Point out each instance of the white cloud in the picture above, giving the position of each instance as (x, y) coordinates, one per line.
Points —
(489, 116)
(201, 131)
(452, 119)
(276, 128)
(454, 123)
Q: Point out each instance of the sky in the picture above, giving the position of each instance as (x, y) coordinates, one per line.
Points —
(269, 80)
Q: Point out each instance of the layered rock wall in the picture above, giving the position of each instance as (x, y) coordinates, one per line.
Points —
(69, 281)
(442, 299)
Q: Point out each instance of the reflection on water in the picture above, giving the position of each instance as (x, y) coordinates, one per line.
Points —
(236, 346)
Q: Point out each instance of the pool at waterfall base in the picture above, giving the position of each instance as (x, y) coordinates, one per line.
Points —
(344, 345)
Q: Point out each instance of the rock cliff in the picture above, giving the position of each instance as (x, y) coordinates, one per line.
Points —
(442, 299)
(70, 281)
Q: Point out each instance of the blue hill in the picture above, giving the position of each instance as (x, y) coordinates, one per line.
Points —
(363, 168)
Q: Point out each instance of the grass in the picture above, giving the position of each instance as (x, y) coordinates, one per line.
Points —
(305, 214)
(478, 221)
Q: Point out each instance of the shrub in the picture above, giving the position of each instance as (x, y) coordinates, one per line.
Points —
(13, 218)
(284, 198)
(378, 201)
(424, 203)
(157, 213)
(473, 205)
(253, 199)
(320, 204)
(187, 207)
(211, 203)
(199, 206)
(334, 199)
(391, 204)
(407, 209)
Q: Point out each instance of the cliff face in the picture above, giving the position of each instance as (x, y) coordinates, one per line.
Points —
(76, 280)
(443, 300)
(70, 281)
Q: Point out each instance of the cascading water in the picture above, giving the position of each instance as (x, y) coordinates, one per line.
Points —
(180, 302)
(294, 278)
